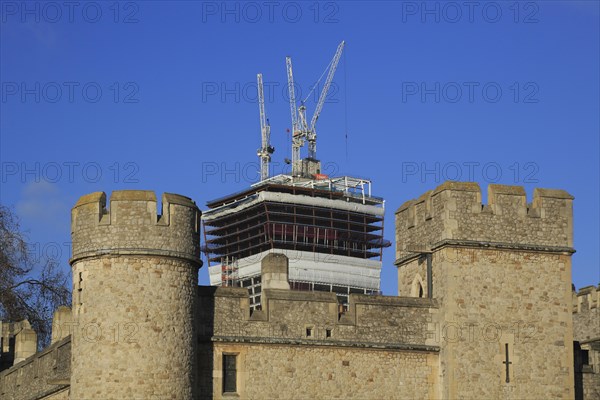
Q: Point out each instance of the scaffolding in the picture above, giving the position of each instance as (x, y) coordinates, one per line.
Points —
(229, 271)
(356, 188)
(335, 221)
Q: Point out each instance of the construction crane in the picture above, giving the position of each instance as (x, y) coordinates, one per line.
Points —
(264, 153)
(298, 137)
(301, 130)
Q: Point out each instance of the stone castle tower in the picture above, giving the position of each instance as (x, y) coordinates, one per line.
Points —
(502, 275)
(135, 275)
(485, 311)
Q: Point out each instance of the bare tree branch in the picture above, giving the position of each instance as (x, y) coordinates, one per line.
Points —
(24, 293)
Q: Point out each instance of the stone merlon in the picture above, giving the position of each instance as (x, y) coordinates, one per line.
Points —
(586, 299)
(132, 225)
(454, 212)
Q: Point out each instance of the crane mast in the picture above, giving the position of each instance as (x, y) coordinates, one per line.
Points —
(264, 153)
(290, 76)
(298, 137)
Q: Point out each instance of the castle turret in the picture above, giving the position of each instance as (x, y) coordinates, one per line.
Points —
(502, 275)
(134, 279)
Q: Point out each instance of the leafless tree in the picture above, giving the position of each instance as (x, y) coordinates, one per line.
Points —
(28, 290)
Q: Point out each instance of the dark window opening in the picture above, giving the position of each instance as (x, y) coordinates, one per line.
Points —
(420, 290)
(308, 332)
(328, 333)
(340, 289)
(229, 373)
(585, 357)
(322, 288)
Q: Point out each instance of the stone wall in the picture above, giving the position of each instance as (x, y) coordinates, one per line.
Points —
(498, 298)
(43, 376)
(224, 312)
(300, 346)
(142, 328)
(18, 341)
(502, 275)
(586, 330)
(317, 372)
(586, 313)
(134, 280)
(587, 375)
(591, 386)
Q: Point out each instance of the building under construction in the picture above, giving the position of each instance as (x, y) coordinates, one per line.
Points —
(330, 228)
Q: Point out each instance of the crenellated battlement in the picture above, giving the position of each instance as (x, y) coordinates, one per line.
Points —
(586, 314)
(586, 299)
(131, 225)
(371, 321)
(454, 212)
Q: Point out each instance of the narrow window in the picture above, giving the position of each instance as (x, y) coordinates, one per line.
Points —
(308, 332)
(328, 333)
(585, 357)
(417, 289)
(229, 373)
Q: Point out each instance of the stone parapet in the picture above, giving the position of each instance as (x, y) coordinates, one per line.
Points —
(586, 299)
(454, 213)
(40, 376)
(586, 314)
(314, 318)
(132, 226)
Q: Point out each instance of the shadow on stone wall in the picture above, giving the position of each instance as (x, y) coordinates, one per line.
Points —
(205, 329)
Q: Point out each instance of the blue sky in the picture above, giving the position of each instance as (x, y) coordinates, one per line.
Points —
(161, 96)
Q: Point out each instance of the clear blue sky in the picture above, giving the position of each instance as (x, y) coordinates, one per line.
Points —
(161, 96)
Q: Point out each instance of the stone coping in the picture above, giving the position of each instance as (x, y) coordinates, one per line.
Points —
(135, 253)
(38, 354)
(316, 296)
(489, 245)
(326, 343)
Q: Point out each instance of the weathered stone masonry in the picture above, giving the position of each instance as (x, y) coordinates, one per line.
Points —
(141, 328)
(299, 346)
(46, 375)
(502, 275)
(134, 279)
(586, 332)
